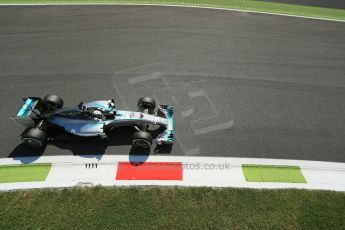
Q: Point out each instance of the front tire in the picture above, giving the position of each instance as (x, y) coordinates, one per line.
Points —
(141, 139)
(35, 137)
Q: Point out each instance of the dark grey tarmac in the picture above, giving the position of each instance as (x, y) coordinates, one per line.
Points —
(243, 84)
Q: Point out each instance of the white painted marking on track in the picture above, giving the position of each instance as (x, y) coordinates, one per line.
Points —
(140, 79)
(174, 5)
(202, 93)
(126, 70)
(214, 128)
(187, 113)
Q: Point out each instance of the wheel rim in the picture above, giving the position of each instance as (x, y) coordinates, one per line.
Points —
(141, 143)
(32, 142)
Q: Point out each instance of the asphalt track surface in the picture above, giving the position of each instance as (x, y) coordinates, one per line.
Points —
(243, 84)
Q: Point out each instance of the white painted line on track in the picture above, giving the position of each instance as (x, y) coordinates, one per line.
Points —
(68, 171)
(140, 79)
(174, 5)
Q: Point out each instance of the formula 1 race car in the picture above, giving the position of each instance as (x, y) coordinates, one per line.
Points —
(93, 119)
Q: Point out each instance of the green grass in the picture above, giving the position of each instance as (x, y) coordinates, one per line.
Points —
(272, 7)
(272, 173)
(24, 173)
(171, 208)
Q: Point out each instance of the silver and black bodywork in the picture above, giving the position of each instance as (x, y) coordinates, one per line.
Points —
(93, 119)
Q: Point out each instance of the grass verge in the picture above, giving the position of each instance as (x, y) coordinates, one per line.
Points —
(270, 7)
(171, 208)
(24, 173)
(273, 173)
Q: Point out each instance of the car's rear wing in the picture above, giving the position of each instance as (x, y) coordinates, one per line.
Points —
(167, 137)
(25, 113)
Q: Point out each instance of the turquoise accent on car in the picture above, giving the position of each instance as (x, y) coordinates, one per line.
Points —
(170, 136)
(170, 114)
(27, 107)
(101, 106)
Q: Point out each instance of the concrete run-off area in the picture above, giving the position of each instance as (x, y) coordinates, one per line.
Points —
(120, 170)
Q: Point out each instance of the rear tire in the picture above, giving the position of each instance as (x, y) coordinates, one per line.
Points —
(35, 137)
(53, 102)
(141, 139)
(147, 103)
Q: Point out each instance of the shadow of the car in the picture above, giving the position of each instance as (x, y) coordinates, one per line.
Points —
(92, 146)
(164, 149)
(138, 156)
(26, 154)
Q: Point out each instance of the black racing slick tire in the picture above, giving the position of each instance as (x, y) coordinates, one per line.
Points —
(35, 137)
(147, 103)
(53, 101)
(141, 139)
